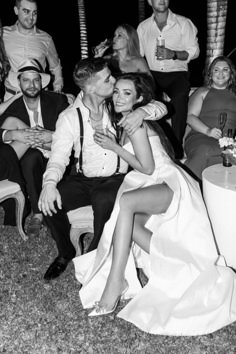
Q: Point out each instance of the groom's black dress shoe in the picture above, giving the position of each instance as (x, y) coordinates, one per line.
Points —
(56, 268)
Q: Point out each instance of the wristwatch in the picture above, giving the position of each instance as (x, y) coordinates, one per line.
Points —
(175, 56)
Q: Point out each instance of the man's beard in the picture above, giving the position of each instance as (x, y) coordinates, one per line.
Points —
(29, 94)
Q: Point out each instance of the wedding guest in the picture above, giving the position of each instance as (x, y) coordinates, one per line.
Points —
(37, 109)
(24, 40)
(125, 55)
(205, 105)
(169, 62)
(160, 224)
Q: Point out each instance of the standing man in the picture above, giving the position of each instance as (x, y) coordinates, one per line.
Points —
(29, 149)
(169, 42)
(99, 172)
(23, 40)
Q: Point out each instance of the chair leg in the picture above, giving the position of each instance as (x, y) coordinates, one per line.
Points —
(20, 203)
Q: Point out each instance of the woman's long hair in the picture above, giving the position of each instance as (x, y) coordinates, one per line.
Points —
(231, 86)
(143, 88)
(132, 40)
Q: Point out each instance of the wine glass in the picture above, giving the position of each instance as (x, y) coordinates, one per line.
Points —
(103, 46)
(222, 120)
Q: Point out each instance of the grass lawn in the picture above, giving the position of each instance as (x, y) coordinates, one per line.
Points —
(38, 317)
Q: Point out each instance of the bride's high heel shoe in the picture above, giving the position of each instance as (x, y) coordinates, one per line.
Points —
(100, 310)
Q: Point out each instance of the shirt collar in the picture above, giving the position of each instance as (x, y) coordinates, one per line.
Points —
(170, 18)
(78, 101)
(38, 107)
(15, 28)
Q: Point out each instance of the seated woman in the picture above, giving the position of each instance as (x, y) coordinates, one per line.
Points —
(159, 223)
(205, 105)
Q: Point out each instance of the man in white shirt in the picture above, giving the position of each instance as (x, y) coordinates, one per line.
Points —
(98, 173)
(24, 40)
(169, 42)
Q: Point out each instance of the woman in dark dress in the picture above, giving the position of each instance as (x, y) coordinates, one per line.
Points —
(218, 95)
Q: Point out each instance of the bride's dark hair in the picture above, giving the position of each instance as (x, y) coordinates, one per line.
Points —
(143, 86)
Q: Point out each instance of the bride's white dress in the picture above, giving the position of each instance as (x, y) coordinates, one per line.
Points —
(187, 293)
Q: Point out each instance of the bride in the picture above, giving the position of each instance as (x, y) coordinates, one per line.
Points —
(159, 223)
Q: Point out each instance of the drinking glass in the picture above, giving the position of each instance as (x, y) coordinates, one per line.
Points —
(102, 46)
(230, 133)
(160, 45)
(222, 120)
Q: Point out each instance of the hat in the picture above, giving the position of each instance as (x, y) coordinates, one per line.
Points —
(28, 65)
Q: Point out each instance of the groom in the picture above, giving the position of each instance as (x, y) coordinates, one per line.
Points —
(98, 173)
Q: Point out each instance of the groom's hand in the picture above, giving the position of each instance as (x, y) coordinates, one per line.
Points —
(132, 121)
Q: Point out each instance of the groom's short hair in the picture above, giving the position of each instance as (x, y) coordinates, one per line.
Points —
(86, 68)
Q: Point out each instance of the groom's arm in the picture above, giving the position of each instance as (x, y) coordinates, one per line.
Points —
(154, 110)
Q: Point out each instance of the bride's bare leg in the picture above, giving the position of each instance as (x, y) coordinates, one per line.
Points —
(150, 200)
(158, 198)
(13, 123)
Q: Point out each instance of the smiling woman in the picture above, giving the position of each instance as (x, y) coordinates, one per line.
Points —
(148, 229)
(205, 105)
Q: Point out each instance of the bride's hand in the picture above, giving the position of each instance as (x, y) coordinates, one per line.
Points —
(105, 141)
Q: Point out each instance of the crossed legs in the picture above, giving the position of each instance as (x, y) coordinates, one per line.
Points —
(130, 227)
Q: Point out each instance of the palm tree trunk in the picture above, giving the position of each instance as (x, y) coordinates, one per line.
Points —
(216, 23)
(83, 30)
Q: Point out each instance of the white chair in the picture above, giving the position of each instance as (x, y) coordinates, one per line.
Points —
(10, 189)
(81, 220)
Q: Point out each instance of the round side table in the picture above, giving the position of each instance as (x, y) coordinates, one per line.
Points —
(219, 192)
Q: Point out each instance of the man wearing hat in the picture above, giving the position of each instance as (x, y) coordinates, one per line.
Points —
(25, 40)
(27, 126)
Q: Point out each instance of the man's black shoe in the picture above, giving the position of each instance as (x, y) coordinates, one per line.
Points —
(56, 268)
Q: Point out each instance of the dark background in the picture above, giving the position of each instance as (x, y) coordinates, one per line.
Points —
(61, 20)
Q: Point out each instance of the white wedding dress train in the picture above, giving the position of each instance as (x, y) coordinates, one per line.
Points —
(188, 292)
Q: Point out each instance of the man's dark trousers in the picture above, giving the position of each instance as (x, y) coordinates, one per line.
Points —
(77, 191)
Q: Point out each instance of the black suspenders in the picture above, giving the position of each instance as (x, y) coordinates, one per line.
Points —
(81, 140)
(80, 159)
